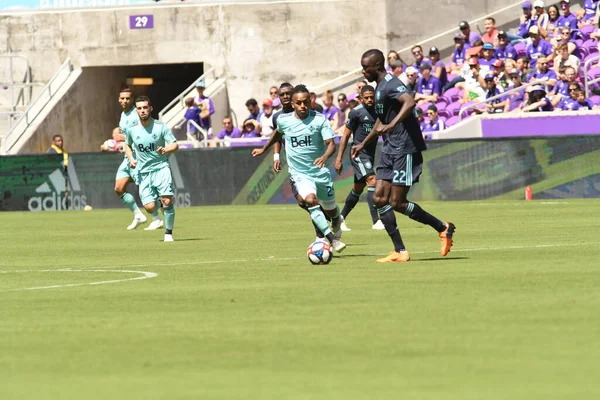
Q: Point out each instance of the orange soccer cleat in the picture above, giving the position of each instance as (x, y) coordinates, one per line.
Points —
(446, 238)
(395, 256)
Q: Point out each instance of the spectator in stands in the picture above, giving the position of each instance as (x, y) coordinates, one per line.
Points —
(412, 75)
(392, 57)
(417, 52)
(543, 72)
(499, 75)
(313, 103)
(435, 123)
(518, 97)
(266, 127)
(356, 94)
(253, 109)
(396, 70)
(420, 118)
(206, 106)
(439, 68)
(587, 13)
(526, 20)
(553, 16)
(476, 50)
(567, 76)
(582, 102)
(567, 19)
(523, 67)
(564, 59)
(273, 93)
(352, 104)
(540, 18)
(499, 105)
(570, 102)
(538, 48)
(459, 55)
(229, 130)
(488, 59)
(112, 144)
(57, 145)
(329, 110)
(537, 100)
(191, 113)
(339, 120)
(504, 50)
(428, 87)
(491, 32)
(470, 36)
(473, 81)
(250, 129)
(277, 104)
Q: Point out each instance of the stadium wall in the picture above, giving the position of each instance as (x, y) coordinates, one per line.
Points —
(555, 168)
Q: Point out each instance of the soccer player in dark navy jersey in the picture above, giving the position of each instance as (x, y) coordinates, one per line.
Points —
(400, 161)
(360, 122)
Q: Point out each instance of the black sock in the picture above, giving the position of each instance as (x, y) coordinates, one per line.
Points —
(350, 203)
(168, 231)
(327, 217)
(372, 208)
(389, 221)
(418, 214)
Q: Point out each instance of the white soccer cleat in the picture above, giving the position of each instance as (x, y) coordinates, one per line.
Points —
(321, 239)
(138, 220)
(344, 227)
(338, 246)
(156, 224)
(378, 226)
(168, 238)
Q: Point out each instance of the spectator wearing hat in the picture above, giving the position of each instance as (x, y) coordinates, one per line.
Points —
(266, 126)
(540, 18)
(438, 67)
(543, 72)
(526, 20)
(428, 87)
(229, 130)
(538, 48)
(564, 59)
(417, 52)
(516, 98)
(470, 36)
(206, 106)
(435, 123)
(570, 102)
(412, 75)
(491, 32)
(487, 59)
(499, 75)
(537, 100)
(567, 19)
(473, 81)
(504, 50)
(492, 90)
(459, 55)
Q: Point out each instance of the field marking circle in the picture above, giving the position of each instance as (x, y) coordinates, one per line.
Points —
(144, 275)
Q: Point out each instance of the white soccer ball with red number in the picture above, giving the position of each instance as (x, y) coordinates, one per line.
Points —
(319, 253)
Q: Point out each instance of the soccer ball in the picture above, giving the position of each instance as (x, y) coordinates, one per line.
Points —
(319, 253)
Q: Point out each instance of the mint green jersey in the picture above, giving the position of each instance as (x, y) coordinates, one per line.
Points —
(129, 118)
(305, 141)
(145, 141)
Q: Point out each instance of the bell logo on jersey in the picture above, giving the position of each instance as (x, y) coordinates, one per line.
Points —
(296, 142)
(146, 149)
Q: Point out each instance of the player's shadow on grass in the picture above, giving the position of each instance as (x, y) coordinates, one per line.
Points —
(188, 239)
(438, 259)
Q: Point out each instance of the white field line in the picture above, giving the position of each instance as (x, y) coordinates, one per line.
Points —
(145, 275)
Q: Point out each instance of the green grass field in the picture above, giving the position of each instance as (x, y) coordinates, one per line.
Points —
(237, 311)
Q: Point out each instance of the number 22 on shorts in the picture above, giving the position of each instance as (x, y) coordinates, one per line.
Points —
(399, 177)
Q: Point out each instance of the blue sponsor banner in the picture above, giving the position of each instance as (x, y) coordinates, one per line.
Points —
(53, 4)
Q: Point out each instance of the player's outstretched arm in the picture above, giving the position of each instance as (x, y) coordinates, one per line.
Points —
(321, 161)
(274, 139)
(342, 148)
(408, 105)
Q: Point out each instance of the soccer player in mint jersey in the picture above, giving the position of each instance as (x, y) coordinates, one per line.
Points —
(125, 175)
(153, 142)
(360, 122)
(400, 161)
(309, 144)
(285, 95)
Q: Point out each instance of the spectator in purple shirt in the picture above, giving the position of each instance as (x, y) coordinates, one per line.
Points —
(439, 68)
(417, 52)
(435, 123)
(253, 109)
(561, 89)
(251, 129)
(516, 98)
(570, 102)
(538, 48)
(526, 20)
(588, 12)
(553, 16)
(459, 55)
(205, 104)
(504, 50)
(568, 19)
(565, 36)
(537, 100)
(470, 36)
(329, 110)
(488, 59)
(229, 130)
(191, 113)
(542, 72)
(582, 102)
(428, 87)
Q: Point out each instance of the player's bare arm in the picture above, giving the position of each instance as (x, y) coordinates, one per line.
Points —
(168, 149)
(408, 105)
(342, 148)
(372, 135)
(274, 139)
(321, 161)
(129, 154)
(276, 160)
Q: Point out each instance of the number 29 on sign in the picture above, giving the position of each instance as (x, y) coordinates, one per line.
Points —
(141, 21)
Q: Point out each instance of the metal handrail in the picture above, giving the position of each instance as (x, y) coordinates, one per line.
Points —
(586, 81)
(25, 117)
(499, 96)
(181, 96)
(326, 85)
(199, 128)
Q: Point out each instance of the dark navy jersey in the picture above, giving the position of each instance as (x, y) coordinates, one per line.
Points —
(406, 137)
(360, 121)
(276, 115)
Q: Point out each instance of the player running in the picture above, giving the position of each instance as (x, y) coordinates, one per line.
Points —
(309, 144)
(360, 122)
(285, 95)
(153, 142)
(125, 175)
(400, 161)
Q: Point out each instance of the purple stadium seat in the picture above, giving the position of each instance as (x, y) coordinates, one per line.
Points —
(520, 48)
(450, 92)
(594, 72)
(583, 52)
(586, 31)
(444, 114)
(592, 55)
(442, 103)
(452, 121)
(424, 107)
(451, 77)
(453, 108)
(589, 44)
(595, 100)
(593, 50)
(579, 43)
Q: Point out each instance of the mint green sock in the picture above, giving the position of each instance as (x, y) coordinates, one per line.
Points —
(155, 212)
(319, 219)
(129, 202)
(169, 217)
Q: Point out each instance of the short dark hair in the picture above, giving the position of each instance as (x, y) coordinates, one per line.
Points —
(56, 136)
(251, 102)
(367, 88)
(491, 19)
(300, 89)
(416, 46)
(377, 54)
(143, 98)
(285, 85)
(352, 104)
(126, 90)
(395, 64)
(342, 96)
(524, 59)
